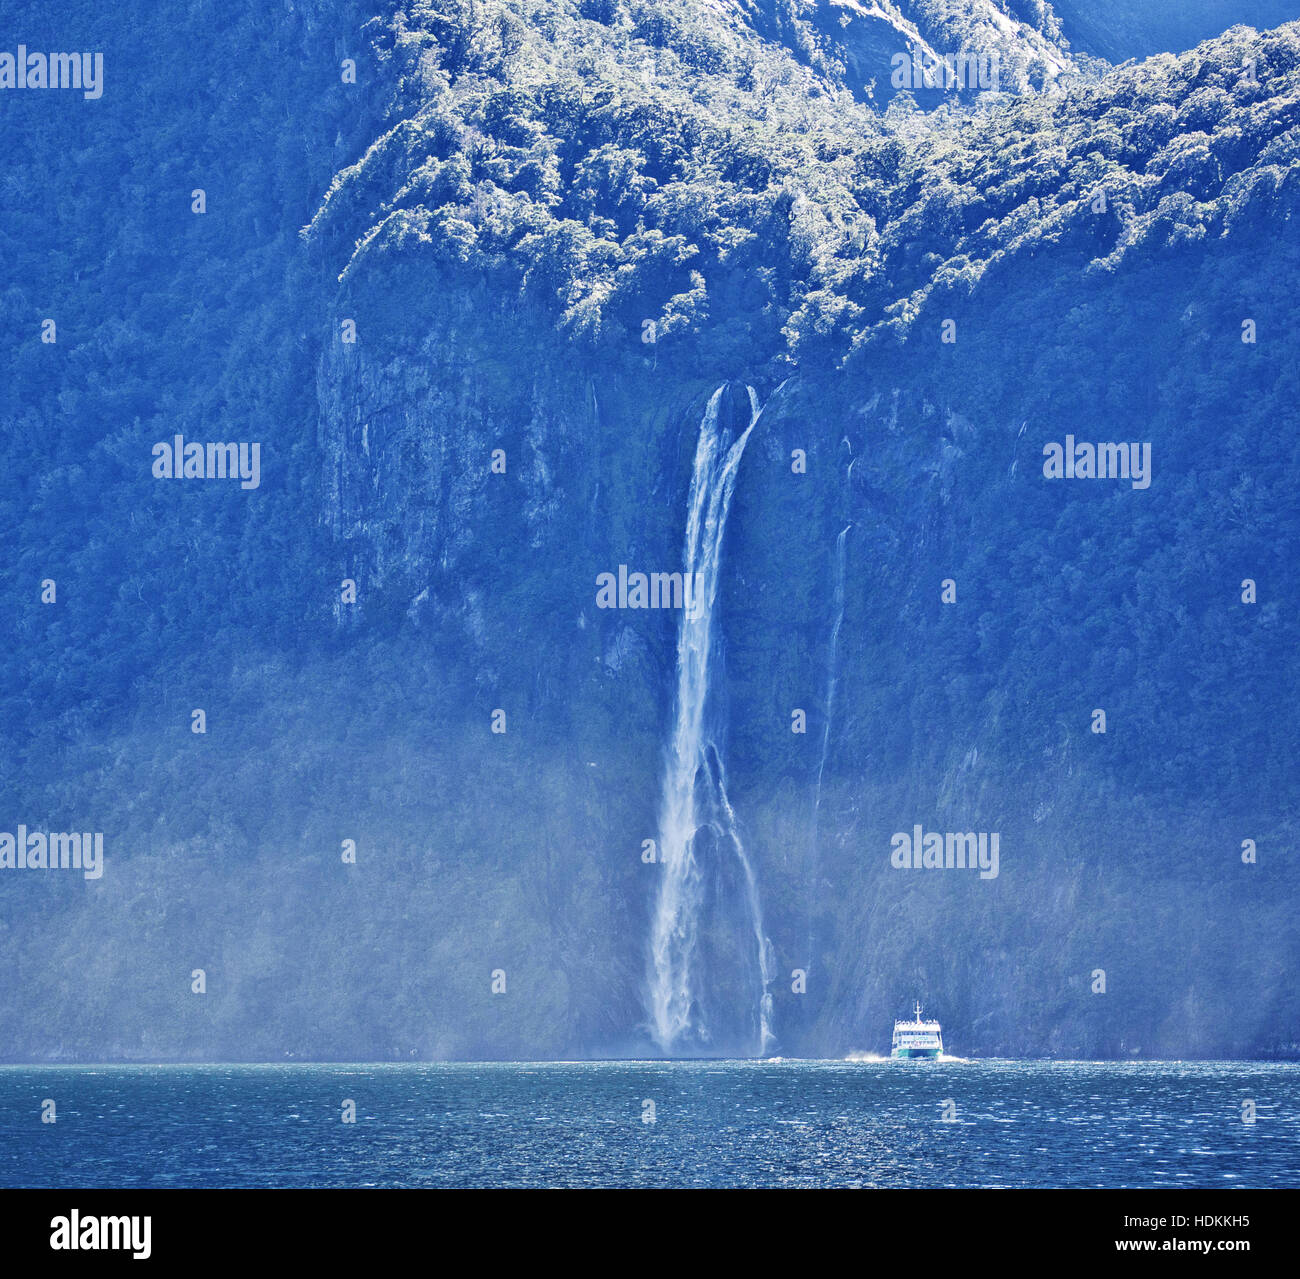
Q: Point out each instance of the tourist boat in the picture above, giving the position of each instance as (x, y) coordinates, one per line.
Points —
(917, 1038)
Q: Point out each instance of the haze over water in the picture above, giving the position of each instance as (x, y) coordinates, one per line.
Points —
(717, 1123)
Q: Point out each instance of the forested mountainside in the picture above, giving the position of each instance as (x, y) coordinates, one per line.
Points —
(858, 45)
(554, 230)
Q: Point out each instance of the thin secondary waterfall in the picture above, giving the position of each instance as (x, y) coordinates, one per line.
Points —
(832, 666)
(693, 760)
(766, 959)
(832, 684)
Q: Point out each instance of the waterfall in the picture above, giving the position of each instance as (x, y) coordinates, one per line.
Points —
(832, 683)
(832, 664)
(766, 961)
(693, 760)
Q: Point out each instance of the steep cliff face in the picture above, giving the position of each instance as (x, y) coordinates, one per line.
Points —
(942, 716)
(554, 232)
(869, 489)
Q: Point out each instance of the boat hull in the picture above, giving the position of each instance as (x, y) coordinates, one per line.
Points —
(915, 1054)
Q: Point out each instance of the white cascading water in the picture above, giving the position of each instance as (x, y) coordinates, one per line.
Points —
(832, 683)
(832, 667)
(766, 958)
(675, 924)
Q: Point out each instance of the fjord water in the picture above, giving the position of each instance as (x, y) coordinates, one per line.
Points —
(717, 1123)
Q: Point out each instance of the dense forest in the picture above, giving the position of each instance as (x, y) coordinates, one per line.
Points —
(553, 230)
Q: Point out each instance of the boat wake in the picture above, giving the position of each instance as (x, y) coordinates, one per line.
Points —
(865, 1056)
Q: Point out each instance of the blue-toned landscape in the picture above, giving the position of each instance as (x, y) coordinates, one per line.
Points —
(665, 534)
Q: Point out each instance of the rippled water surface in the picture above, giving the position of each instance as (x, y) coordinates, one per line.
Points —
(790, 1123)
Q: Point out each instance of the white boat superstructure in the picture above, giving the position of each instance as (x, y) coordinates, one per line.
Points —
(917, 1038)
